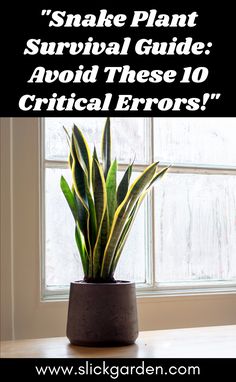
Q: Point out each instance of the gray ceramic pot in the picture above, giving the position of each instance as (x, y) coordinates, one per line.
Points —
(102, 314)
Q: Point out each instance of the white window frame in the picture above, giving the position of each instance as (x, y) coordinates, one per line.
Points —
(150, 287)
(24, 314)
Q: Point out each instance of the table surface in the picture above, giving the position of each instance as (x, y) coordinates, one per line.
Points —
(207, 342)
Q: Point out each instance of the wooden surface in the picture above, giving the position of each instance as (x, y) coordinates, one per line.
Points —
(218, 341)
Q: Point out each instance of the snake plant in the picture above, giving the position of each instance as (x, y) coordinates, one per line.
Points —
(103, 211)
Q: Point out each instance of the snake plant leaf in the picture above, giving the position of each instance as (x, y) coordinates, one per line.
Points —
(83, 181)
(82, 218)
(73, 204)
(79, 182)
(98, 190)
(84, 151)
(122, 214)
(121, 244)
(80, 177)
(95, 155)
(137, 188)
(104, 232)
(69, 196)
(80, 190)
(126, 231)
(92, 217)
(70, 160)
(131, 219)
(91, 210)
(100, 197)
(82, 250)
(158, 175)
(106, 147)
(111, 191)
(124, 185)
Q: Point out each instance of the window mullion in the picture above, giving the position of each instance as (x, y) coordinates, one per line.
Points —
(151, 205)
(195, 169)
(42, 209)
(64, 164)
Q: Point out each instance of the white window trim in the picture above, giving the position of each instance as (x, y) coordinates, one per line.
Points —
(24, 314)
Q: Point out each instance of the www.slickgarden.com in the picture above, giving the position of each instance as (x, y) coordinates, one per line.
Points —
(115, 371)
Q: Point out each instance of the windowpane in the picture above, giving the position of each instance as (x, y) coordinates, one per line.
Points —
(62, 258)
(194, 214)
(195, 227)
(128, 137)
(195, 140)
(132, 261)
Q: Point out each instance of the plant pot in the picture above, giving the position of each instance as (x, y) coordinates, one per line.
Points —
(102, 314)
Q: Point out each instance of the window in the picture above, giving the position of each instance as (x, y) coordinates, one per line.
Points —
(185, 232)
(62, 262)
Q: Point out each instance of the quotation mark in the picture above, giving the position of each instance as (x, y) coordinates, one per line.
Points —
(208, 96)
(46, 12)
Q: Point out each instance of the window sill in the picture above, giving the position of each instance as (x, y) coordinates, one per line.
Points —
(165, 290)
(181, 289)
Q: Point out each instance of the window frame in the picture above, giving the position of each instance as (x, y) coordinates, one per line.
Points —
(24, 313)
(62, 293)
(150, 287)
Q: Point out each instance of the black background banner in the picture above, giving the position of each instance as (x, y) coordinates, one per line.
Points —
(71, 369)
(215, 23)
